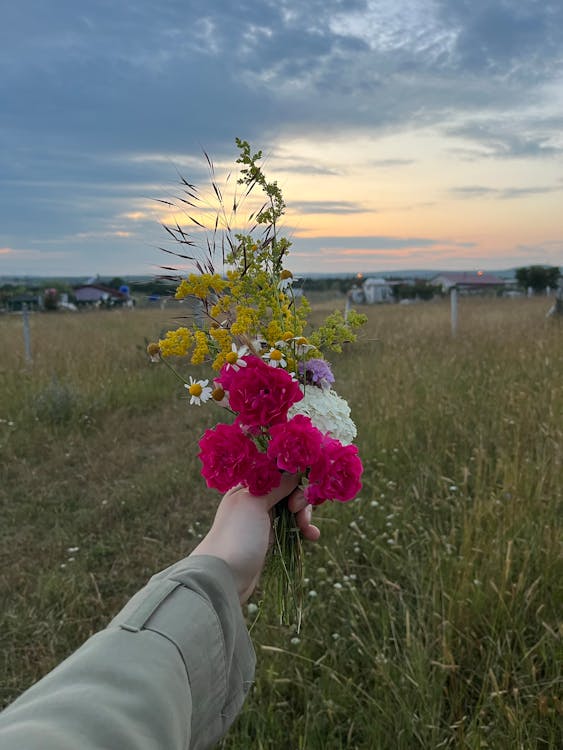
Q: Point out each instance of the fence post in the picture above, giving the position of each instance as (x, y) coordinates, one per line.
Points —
(453, 309)
(347, 308)
(26, 333)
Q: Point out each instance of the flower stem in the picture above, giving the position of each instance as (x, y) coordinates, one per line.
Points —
(285, 570)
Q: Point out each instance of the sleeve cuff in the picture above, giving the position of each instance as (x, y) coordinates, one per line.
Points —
(194, 604)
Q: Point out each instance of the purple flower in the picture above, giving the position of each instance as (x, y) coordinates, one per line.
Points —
(316, 372)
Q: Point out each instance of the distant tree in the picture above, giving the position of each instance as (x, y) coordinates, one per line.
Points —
(537, 277)
(419, 290)
(116, 282)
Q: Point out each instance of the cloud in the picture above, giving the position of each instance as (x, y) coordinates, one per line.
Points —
(510, 193)
(102, 105)
(388, 163)
(329, 207)
(374, 242)
(521, 138)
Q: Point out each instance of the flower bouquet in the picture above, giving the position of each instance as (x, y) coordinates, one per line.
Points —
(271, 377)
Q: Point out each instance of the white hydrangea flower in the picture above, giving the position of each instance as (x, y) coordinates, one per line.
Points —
(327, 411)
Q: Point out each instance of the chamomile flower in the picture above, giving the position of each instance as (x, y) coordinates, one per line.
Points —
(286, 280)
(275, 358)
(302, 346)
(199, 391)
(234, 358)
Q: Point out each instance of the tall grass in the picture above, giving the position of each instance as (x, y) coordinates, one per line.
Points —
(433, 602)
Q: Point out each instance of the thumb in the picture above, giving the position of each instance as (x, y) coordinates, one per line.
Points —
(288, 483)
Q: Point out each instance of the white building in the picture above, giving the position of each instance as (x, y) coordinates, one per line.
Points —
(377, 290)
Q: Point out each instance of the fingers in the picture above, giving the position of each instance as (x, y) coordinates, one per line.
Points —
(297, 501)
(303, 519)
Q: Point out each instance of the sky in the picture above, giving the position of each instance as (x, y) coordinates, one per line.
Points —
(404, 134)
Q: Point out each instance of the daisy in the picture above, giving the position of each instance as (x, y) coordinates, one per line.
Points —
(276, 358)
(302, 346)
(286, 280)
(199, 391)
(235, 359)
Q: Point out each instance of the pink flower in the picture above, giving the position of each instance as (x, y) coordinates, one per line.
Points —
(336, 475)
(228, 456)
(228, 373)
(295, 445)
(261, 395)
(263, 477)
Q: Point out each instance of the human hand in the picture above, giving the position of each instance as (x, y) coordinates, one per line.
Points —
(242, 530)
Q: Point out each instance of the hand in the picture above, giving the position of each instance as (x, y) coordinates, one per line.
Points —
(242, 530)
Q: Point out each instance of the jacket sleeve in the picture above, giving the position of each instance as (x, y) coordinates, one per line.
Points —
(171, 671)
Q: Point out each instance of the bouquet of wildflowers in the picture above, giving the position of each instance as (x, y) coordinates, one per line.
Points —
(270, 374)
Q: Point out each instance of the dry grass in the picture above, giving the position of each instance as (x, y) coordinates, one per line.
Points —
(437, 615)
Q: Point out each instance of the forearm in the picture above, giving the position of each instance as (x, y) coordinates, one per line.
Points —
(170, 671)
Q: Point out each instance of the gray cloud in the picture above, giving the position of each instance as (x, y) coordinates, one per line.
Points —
(480, 191)
(88, 87)
(521, 138)
(389, 163)
(374, 242)
(329, 207)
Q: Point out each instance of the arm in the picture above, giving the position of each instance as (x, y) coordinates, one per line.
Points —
(171, 671)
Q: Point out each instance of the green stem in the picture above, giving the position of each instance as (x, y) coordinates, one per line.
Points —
(286, 566)
(175, 372)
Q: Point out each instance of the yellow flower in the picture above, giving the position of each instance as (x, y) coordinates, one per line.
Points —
(274, 332)
(245, 322)
(222, 337)
(200, 285)
(176, 343)
(219, 361)
(201, 349)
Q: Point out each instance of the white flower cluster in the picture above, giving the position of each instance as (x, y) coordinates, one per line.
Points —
(327, 411)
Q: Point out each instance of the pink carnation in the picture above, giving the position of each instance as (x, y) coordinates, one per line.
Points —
(264, 476)
(228, 373)
(228, 456)
(261, 395)
(336, 475)
(295, 445)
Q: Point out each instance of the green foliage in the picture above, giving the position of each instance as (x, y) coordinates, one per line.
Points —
(252, 174)
(116, 282)
(538, 277)
(56, 404)
(337, 330)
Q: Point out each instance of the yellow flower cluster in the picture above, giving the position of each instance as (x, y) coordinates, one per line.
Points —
(224, 341)
(201, 349)
(176, 343)
(246, 323)
(200, 285)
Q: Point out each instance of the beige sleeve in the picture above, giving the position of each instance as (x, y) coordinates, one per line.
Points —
(171, 671)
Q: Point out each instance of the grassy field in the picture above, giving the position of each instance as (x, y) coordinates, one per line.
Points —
(434, 602)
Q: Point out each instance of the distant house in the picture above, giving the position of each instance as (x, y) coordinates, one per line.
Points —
(377, 290)
(469, 281)
(90, 294)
